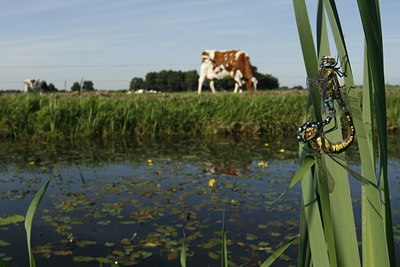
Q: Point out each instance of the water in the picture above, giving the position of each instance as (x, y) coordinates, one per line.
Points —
(131, 203)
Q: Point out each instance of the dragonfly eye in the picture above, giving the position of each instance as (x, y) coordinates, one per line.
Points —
(327, 62)
(310, 133)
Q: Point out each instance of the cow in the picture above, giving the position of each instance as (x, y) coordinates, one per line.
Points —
(220, 64)
(32, 84)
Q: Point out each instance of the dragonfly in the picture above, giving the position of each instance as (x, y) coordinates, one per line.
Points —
(314, 133)
(315, 136)
(328, 84)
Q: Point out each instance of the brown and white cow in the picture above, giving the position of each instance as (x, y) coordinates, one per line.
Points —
(32, 84)
(220, 64)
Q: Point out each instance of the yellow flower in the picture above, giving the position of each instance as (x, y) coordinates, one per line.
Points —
(32, 163)
(211, 182)
(281, 150)
(263, 164)
(149, 162)
(266, 145)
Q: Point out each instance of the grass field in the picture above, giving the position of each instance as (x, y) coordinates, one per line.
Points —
(107, 114)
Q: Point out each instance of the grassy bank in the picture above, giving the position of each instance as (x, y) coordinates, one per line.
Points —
(271, 114)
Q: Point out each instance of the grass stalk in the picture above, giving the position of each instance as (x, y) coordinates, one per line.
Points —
(332, 216)
(224, 244)
(29, 219)
(183, 251)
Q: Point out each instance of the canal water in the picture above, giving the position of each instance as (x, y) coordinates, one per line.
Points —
(134, 203)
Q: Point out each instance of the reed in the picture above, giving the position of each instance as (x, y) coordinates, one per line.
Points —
(59, 116)
(328, 234)
(274, 114)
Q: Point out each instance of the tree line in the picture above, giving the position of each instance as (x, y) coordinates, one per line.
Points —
(84, 86)
(179, 81)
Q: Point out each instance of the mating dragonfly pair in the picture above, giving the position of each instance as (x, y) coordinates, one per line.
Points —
(314, 132)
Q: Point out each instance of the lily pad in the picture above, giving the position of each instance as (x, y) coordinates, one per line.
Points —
(262, 226)
(13, 219)
(104, 222)
(83, 243)
(275, 234)
(62, 253)
(109, 244)
(83, 259)
(4, 243)
(7, 259)
(213, 255)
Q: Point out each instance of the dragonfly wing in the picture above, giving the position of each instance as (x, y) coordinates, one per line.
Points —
(325, 176)
(353, 173)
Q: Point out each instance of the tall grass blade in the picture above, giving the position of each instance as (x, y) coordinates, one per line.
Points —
(372, 227)
(308, 49)
(367, 100)
(224, 245)
(323, 191)
(306, 165)
(29, 219)
(323, 174)
(316, 239)
(370, 17)
(312, 213)
(183, 251)
(323, 48)
(271, 259)
(304, 252)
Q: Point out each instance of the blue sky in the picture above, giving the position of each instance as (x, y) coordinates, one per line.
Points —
(110, 42)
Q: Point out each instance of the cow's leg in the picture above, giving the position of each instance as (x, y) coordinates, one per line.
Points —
(201, 81)
(236, 87)
(254, 81)
(212, 86)
(26, 87)
(238, 81)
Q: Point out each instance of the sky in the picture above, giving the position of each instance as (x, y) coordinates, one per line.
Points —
(111, 42)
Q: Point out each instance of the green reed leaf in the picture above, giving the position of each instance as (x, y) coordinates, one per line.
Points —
(271, 259)
(305, 166)
(224, 245)
(370, 17)
(29, 219)
(183, 251)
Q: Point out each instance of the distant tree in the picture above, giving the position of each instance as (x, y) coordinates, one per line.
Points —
(227, 84)
(298, 87)
(191, 80)
(175, 81)
(52, 88)
(87, 86)
(75, 87)
(266, 81)
(178, 81)
(150, 80)
(161, 81)
(136, 83)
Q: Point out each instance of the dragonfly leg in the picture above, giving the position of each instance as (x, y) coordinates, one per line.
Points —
(333, 128)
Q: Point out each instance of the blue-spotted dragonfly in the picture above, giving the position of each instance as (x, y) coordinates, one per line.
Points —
(314, 133)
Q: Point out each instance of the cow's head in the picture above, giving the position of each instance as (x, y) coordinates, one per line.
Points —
(251, 84)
